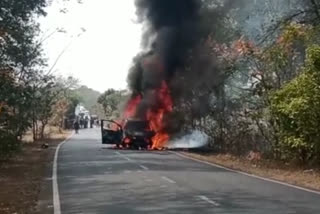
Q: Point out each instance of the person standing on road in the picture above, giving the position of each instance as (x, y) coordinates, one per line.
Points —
(91, 123)
(76, 126)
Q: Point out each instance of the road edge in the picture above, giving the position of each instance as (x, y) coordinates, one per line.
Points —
(55, 187)
(248, 174)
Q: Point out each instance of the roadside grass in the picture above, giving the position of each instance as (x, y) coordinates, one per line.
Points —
(22, 174)
(289, 173)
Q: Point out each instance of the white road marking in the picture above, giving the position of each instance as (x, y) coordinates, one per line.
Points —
(144, 167)
(168, 179)
(202, 197)
(123, 156)
(55, 187)
(247, 174)
(128, 159)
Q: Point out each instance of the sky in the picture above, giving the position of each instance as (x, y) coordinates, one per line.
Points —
(100, 37)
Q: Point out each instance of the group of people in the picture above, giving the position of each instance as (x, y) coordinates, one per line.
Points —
(81, 123)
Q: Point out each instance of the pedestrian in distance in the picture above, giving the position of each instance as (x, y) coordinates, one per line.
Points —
(76, 126)
(91, 123)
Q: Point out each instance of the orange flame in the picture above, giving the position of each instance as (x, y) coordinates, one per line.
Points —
(131, 108)
(156, 116)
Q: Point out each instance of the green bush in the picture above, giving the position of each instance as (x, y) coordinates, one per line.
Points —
(296, 111)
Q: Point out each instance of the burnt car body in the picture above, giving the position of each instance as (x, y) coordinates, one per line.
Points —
(134, 134)
(137, 134)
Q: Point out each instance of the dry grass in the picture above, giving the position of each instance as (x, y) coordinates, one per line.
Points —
(21, 176)
(50, 132)
(309, 178)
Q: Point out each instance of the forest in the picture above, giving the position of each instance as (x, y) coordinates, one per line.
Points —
(256, 65)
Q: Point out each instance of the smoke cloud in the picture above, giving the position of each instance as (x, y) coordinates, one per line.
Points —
(175, 32)
(196, 139)
(170, 31)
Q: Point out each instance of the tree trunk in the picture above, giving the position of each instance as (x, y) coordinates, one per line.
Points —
(43, 126)
(34, 133)
(35, 130)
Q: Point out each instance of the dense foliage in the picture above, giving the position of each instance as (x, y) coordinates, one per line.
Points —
(29, 94)
(111, 102)
(296, 111)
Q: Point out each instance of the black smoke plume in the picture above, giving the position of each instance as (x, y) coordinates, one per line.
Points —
(170, 31)
(173, 30)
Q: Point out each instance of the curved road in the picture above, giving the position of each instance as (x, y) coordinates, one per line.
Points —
(95, 179)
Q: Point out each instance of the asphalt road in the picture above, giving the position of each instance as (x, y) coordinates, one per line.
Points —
(95, 179)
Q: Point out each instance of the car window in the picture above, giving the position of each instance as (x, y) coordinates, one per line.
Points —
(136, 125)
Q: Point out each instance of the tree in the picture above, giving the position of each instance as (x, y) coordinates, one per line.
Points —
(67, 100)
(110, 101)
(295, 109)
(27, 90)
(88, 96)
(54, 101)
(20, 55)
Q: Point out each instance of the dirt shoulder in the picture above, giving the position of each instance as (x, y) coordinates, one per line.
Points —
(21, 176)
(308, 178)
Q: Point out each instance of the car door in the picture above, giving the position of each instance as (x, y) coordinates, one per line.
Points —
(111, 132)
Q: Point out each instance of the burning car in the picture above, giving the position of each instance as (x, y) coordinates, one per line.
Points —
(134, 134)
(137, 134)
